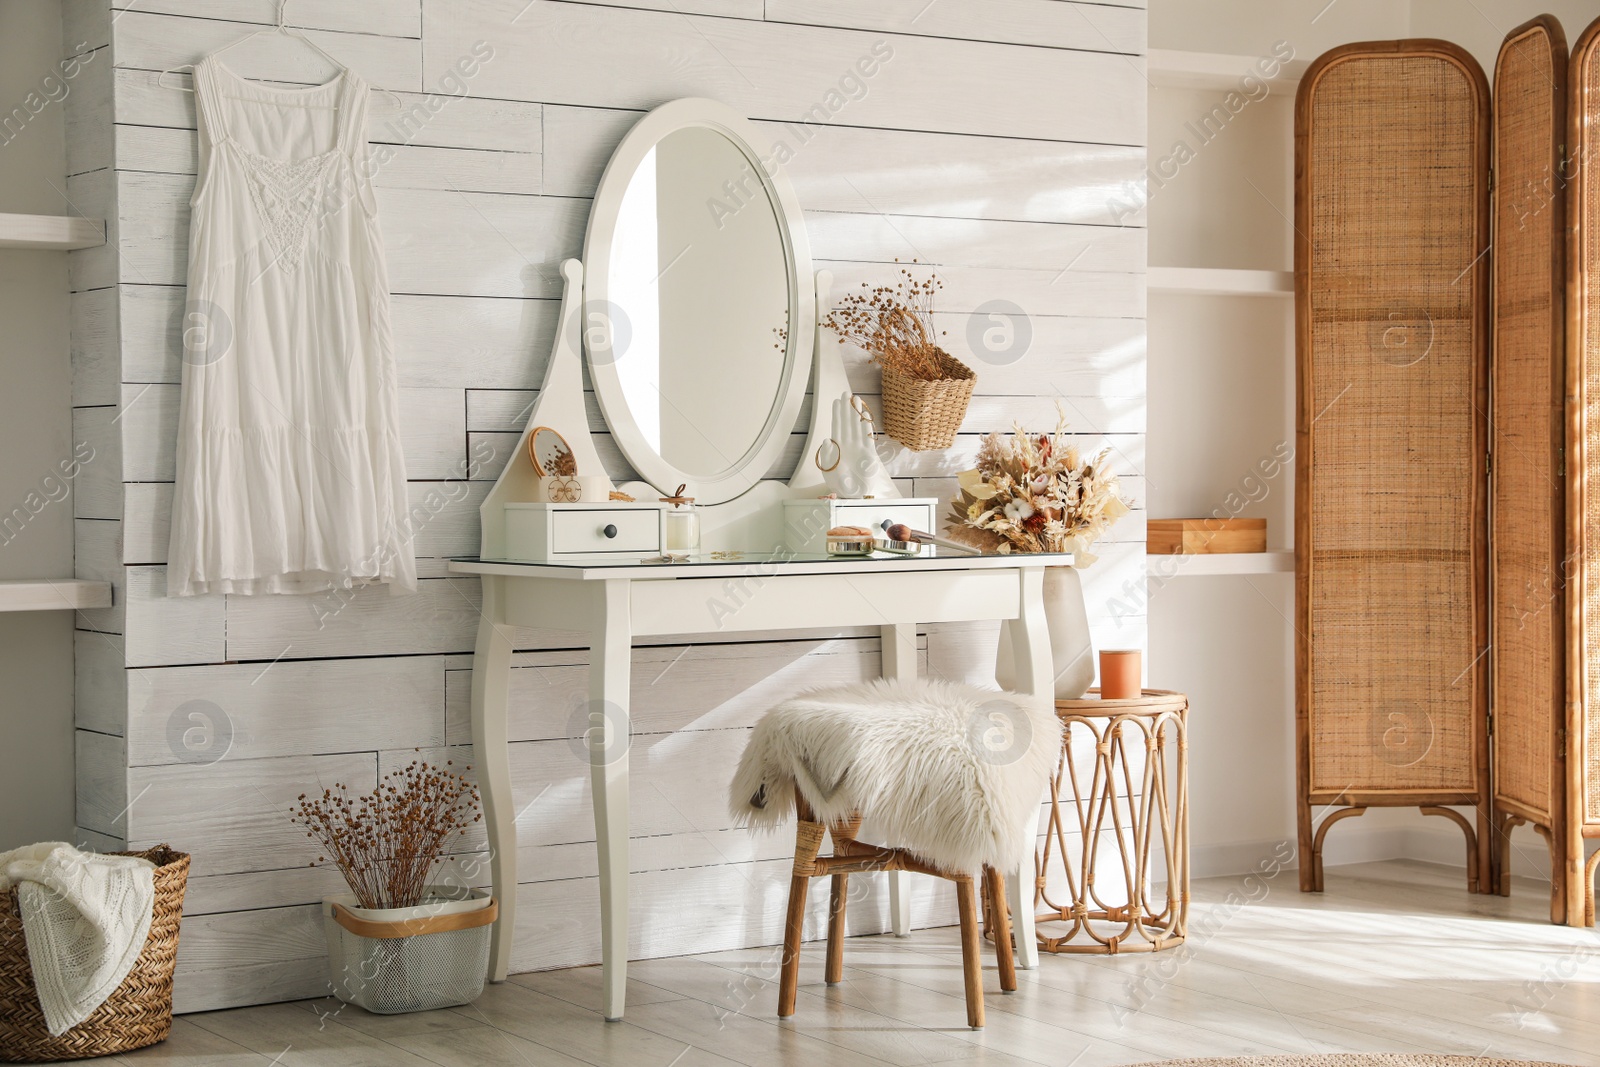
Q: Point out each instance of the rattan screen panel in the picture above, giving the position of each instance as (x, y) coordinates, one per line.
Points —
(1584, 441)
(1391, 508)
(1527, 497)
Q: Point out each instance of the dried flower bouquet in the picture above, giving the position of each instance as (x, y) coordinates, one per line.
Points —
(1034, 493)
(387, 842)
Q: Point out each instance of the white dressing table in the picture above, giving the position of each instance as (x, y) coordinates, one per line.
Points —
(695, 312)
(617, 601)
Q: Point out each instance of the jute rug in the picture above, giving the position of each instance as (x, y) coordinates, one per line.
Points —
(1353, 1059)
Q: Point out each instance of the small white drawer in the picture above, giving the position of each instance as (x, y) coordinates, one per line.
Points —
(807, 522)
(605, 530)
(539, 533)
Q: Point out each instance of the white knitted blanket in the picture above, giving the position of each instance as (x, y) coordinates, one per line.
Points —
(85, 917)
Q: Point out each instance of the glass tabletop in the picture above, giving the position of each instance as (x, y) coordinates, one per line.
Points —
(708, 559)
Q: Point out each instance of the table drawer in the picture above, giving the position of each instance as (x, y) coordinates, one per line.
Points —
(916, 516)
(587, 531)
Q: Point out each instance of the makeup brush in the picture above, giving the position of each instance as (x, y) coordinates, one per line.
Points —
(899, 531)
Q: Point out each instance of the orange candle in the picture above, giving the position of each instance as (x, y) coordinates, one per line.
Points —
(1120, 671)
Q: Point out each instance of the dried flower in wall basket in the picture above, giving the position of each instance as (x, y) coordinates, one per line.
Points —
(925, 388)
(387, 842)
(1034, 493)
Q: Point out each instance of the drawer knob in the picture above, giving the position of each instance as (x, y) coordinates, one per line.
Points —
(610, 530)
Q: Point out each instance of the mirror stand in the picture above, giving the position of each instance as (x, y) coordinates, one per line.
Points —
(751, 522)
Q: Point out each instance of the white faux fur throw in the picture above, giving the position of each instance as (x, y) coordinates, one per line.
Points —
(947, 771)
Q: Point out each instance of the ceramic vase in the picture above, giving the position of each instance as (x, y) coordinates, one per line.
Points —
(1071, 648)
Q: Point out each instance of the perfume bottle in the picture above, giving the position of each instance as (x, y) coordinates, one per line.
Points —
(683, 522)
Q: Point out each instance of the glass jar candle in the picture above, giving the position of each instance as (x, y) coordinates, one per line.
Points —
(683, 522)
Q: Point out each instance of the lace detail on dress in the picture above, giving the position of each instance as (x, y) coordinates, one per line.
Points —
(286, 194)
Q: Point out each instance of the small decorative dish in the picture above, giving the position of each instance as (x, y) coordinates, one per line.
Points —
(850, 541)
(899, 548)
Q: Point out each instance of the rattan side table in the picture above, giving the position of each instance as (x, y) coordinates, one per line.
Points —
(1137, 795)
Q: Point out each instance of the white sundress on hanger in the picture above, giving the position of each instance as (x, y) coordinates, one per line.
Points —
(290, 477)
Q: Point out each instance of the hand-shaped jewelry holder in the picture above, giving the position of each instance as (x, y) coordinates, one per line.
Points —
(849, 459)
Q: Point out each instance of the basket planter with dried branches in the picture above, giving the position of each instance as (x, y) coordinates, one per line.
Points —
(925, 389)
(400, 942)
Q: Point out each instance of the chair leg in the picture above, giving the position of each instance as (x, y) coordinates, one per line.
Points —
(971, 952)
(841, 890)
(808, 840)
(995, 886)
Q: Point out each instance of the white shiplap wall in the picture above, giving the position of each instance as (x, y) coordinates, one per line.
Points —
(990, 145)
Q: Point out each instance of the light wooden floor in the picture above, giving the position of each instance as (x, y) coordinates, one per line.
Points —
(1394, 957)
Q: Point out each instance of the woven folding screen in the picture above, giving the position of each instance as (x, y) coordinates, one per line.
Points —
(1527, 494)
(1392, 235)
(1583, 447)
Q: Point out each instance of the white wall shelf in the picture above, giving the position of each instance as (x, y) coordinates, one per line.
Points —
(53, 594)
(1206, 281)
(1172, 69)
(53, 232)
(1202, 566)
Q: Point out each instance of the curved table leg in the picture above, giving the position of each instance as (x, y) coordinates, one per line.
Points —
(1034, 675)
(609, 737)
(899, 651)
(491, 680)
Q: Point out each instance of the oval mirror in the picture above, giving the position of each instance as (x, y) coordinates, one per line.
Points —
(550, 453)
(699, 309)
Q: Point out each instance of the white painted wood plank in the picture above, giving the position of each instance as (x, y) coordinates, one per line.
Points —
(441, 120)
(100, 684)
(675, 687)
(85, 25)
(442, 616)
(87, 108)
(93, 195)
(96, 447)
(972, 243)
(388, 18)
(795, 73)
(159, 42)
(1042, 23)
(250, 957)
(440, 342)
(53, 594)
(1064, 290)
(845, 168)
(234, 815)
(102, 783)
(204, 715)
(432, 432)
(710, 908)
(166, 150)
(163, 630)
(94, 344)
(97, 556)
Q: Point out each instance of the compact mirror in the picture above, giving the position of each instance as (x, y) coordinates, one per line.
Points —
(699, 310)
(551, 455)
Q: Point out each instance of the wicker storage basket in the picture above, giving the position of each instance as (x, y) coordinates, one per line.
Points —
(924, 415)
(139, 1013)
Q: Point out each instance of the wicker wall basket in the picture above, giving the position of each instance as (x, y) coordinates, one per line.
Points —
(1391, 509)
(137, 1014)
(924, 415)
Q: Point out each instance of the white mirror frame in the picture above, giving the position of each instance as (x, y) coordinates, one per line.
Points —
(757, 461)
